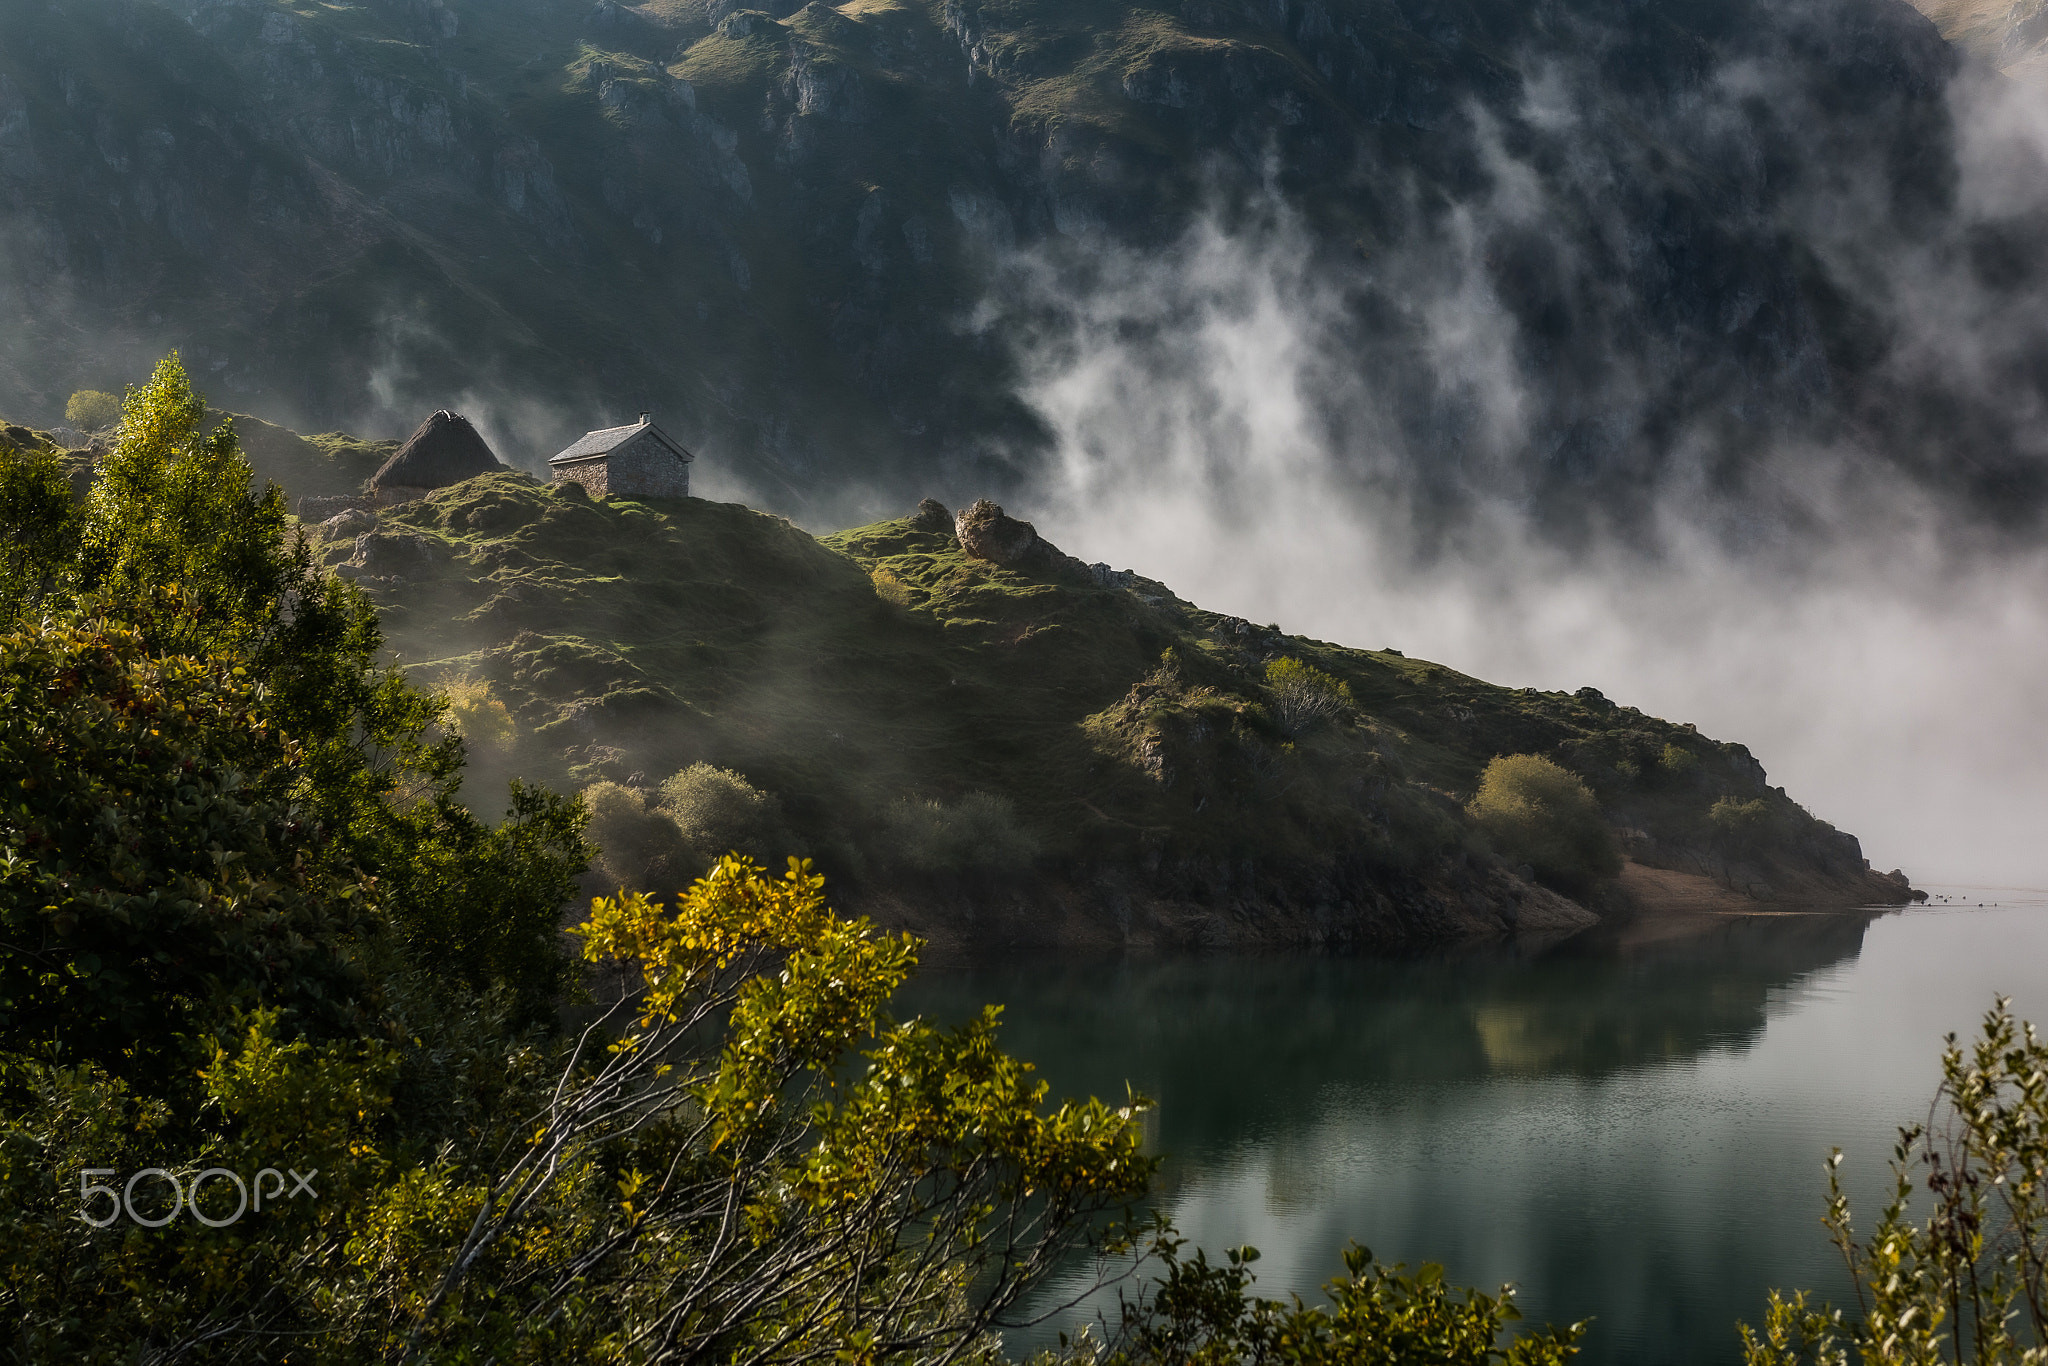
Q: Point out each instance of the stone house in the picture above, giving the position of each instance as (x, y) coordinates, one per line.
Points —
(640, 460)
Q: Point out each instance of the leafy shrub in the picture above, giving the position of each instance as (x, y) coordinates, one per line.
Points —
(1541, 814)
(89, 410)
(1205, 1311)
(1304, 696)
(639, 847)
(978, 832)
(895, 1186)
(175, 543)
(1958, 1288)
(890, 588)
(1738, 819)
(480, 718)
(719, 812)
(1678, 762)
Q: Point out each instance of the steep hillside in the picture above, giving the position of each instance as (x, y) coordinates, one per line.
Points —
(2011, 35)
(819, 239)
(1045, 752)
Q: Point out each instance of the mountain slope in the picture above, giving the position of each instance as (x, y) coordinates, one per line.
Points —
(832, 244)
(1127, 766)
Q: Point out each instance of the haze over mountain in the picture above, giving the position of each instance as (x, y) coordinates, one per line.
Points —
(1694, 350)
(831, 243)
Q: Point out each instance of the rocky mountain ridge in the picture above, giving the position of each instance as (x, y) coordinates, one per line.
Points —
(827, 241)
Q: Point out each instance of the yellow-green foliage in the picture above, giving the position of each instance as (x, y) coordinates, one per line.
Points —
(890, 588)
(893, 1180)
(1305, 696)
(716, 811)
(1678, 762)
(1732, 817)
(1969, 1285)
(1375, 1314)
(979, 831)
(1535, 812)
(697, 816)
(89, 410)
(480, 717)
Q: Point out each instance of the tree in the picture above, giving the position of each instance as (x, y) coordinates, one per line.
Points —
(155, 872)
(38, 528)
(1541, 814)
(787, 1203)
(1305, 696)
(89, 410)
(1970, 1284)
(176, 544)
(744, 1159)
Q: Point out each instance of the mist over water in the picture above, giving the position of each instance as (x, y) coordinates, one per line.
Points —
(1878, 641)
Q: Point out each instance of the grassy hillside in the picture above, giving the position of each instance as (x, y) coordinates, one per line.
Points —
(1026, 753)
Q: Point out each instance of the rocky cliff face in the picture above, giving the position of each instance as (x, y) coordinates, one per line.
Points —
(797, 230)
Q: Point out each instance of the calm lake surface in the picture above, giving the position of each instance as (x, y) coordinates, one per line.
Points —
(1630, 1126)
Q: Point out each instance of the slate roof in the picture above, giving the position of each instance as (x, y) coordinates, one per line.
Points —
(609, 439)
(445, 450)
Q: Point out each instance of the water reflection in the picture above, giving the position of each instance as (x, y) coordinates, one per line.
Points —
(1630, 1127)
(1231, 1046)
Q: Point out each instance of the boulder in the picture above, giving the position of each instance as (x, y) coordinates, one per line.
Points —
(987, 534)
(394, 555)
(931, 515)
(348, 524)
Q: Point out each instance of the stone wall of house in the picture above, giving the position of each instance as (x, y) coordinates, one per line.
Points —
(395, 495)
(646, 468)
(589, 473)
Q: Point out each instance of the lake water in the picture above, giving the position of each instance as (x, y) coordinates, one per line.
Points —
(1631, 1125)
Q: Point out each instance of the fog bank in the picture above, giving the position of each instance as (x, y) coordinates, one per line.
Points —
(1879, 647)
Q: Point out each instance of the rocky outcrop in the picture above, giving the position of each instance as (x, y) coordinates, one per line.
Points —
(392, 555)
(931, 515)
(348, 523)
(986, 533)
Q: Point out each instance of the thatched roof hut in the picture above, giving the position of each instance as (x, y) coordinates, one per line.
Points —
(445, 450)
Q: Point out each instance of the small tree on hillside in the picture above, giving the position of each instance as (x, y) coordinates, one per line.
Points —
(1535, 812)
(1304, 696)
(719, 812)
(89, 410)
